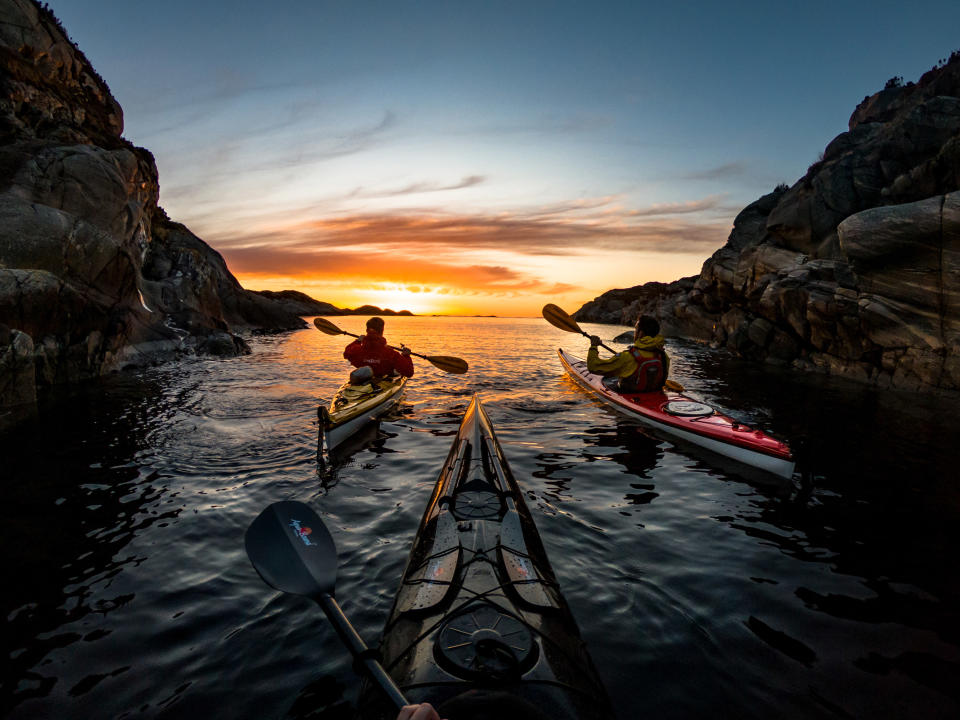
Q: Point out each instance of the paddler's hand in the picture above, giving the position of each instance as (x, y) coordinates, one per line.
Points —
(404, 350)
(423, 711)
(595, 341)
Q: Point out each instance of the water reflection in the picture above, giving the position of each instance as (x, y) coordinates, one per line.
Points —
(372, 438)
(626, 443)
(70, 510)
(695, 586)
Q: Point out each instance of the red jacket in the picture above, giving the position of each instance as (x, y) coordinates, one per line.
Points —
(372, 350)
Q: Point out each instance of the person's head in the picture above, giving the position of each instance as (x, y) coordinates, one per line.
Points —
(375, 325)
(647, 326)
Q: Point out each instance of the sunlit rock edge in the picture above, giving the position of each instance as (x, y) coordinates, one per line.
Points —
(853, 271)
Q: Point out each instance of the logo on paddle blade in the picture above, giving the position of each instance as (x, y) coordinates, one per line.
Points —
(302, 532)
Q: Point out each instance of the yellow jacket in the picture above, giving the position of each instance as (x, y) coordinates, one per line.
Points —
(623, 364)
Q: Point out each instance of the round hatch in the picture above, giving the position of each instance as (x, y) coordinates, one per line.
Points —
(476, 505)
(688, 408)
(485, 642)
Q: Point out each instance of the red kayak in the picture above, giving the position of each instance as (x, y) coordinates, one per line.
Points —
(690, 420)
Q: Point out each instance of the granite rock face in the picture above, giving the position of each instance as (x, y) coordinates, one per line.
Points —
(93, 276)
(854, 269)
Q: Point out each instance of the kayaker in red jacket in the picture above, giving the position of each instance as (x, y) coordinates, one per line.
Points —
(643, 367)
(371, 350)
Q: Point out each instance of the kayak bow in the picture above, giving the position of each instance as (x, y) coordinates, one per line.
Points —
(690, 420)
(354, 406)
(479, 620)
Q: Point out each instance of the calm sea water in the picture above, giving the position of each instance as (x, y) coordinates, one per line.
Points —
(701, 591)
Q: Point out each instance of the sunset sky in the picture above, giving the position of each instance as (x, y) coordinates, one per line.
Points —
(486, 157)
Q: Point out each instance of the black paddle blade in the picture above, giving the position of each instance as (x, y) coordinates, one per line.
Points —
(292, 550)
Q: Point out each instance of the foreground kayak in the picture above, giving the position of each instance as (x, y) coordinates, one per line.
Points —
(479, 621)
(354, 406)
(689, 420)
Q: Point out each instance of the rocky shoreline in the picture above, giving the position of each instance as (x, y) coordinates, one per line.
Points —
(94, 277)
(855, 269)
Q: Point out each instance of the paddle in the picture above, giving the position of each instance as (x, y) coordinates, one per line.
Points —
(557, 317)
(293, 552)
(446, 363)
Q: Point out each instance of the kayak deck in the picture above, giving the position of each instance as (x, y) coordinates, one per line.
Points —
(479, 616)
(353, 407)
(689, 419)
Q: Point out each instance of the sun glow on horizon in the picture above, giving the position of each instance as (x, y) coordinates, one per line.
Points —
(475, 264)
(417, 299)
(569, 282)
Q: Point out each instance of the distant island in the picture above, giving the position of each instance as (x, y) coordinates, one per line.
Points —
(298, 303)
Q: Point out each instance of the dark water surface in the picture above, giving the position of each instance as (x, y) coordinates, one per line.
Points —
(701, 591)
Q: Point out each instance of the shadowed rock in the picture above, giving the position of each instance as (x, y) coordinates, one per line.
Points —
(93, 276)
(854, 269)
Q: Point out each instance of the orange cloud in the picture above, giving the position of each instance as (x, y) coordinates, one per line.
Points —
(416, 233)
(425, 256)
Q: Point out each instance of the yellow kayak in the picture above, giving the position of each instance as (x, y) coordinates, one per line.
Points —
(354, 406)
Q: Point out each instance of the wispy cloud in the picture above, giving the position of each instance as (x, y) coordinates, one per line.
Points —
(720, 172)
(679, 208)
(420, 187)
(436, 235)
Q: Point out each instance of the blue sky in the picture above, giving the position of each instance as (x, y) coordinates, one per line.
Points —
(469, 156)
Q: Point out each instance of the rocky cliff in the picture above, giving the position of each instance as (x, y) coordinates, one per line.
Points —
(855, 270)
(93, 275)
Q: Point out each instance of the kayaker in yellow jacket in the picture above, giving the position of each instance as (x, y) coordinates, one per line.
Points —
(643, 367)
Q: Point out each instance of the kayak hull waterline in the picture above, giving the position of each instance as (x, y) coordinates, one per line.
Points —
(350, 409)
(479, 619)
(690, 420)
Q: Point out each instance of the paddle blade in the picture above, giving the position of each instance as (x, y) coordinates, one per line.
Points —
(292, 550)
(324, 325)
(449, 364)
(673, 385)
(559, 319)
